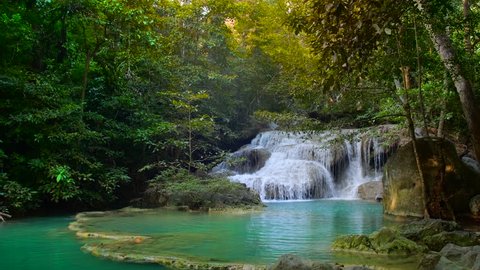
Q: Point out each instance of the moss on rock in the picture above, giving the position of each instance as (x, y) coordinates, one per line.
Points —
(195, 193)
(353, 243)
(386, 241)
(460, 238)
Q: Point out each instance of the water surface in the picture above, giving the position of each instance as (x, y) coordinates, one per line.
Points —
(306, 228)
(46, 243)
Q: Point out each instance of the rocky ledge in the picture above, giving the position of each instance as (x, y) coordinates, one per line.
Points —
(436, 243)
(294, 262)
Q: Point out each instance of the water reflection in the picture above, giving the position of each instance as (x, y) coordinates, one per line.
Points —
(308, 228)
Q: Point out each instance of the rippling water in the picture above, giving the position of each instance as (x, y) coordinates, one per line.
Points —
(306, 228)
(46, 243)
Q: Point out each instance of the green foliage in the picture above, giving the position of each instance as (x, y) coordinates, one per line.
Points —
(288, 121)
(15, 197)
(181, 188)
(362, 45)
(99, 96)
(62, 174)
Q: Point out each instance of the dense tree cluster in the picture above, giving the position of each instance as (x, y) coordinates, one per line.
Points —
(424, 49)
(100, 96)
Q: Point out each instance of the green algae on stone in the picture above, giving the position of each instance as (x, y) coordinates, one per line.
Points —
(385, 242)
(460, 238)
(353, 243)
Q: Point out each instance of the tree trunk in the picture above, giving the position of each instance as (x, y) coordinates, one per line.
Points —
(464, 88)
(411, 130)
(443, 46)
(443, 112)
(420, 91)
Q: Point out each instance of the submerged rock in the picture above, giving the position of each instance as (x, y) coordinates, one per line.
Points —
(290, 262)
(294, 262)
(449, 183)
(171, 262)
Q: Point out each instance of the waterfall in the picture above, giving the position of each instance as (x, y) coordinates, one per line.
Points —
(307, 165)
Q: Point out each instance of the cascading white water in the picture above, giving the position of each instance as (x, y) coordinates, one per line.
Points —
(300, 165)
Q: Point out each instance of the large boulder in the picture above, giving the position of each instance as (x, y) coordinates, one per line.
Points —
(248, 160)
(372, 190)
(448, 183)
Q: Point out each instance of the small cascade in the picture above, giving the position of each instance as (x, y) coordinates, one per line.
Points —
(299, 165)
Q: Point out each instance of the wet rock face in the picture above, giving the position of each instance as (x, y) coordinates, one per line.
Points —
(248, 160)
(449, 183)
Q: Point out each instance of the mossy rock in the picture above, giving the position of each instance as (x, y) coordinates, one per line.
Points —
(460, 238)
(199, 194)
(386, 241)
(359, 243)
(418, 230)
(389, 241)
